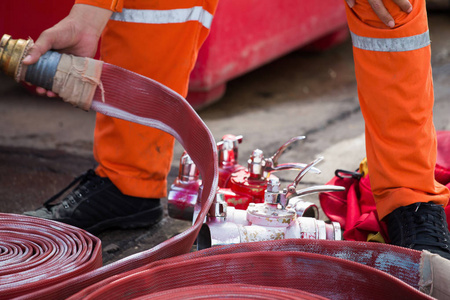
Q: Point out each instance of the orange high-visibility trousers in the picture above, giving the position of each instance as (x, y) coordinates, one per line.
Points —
(160, 40)
(395, 89)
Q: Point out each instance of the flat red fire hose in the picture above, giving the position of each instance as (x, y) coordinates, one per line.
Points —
(232, 291)
(337, 270)
(330, 269)
(36, 253)
(313, 273)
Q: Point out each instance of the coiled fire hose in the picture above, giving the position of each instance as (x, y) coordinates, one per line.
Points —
(289, 269)
(37, 253)
(330, 269)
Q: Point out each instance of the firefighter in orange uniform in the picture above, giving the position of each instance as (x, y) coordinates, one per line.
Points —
(157, 39)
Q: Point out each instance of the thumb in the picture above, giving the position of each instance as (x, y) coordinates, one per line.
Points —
(42, 45)
(32, 56)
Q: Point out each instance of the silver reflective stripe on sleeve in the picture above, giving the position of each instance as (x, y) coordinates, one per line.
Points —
(391, 45)
(181, 15)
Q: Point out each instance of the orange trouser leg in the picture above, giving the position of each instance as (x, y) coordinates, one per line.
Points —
(395, 91)
(134, 157)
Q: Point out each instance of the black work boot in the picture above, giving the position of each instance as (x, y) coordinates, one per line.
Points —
(420, 226)
(96, 204)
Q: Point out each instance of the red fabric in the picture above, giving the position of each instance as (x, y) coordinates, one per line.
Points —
(442, 171)
(355, 208)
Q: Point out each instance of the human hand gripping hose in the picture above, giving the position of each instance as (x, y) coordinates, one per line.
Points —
(288, 269)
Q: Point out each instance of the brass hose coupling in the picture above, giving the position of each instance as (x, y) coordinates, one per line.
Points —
(11, 55)
(73, 78)
(41, 73)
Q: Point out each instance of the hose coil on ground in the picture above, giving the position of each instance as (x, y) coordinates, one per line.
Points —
(314, 268)
(37, 253)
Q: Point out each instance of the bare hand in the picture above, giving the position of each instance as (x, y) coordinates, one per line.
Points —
(381, 11)
(77, 34)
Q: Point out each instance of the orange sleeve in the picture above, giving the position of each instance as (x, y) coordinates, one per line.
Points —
(114, 5)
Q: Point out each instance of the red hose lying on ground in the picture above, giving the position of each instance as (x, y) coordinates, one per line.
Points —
(331, 269)
(37, 253)
(324, 268)
(232, 291)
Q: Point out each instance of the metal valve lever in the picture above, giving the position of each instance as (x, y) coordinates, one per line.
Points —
(317, 189)
(259, 166)
(273, 195)
(271, 163)
(289, 166)
(291, 189)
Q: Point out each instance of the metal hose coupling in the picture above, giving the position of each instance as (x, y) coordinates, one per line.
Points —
(73, 78)
(11, 55)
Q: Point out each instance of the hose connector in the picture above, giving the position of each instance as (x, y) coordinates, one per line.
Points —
(73, 78)
(11, 55)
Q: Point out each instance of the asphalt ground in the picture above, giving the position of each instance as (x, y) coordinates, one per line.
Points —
(45, 143)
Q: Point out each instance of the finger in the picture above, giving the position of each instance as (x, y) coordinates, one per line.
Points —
(351, 3)
(405, 5)
(51, 94)
(382, 13)
(41, 91)
(32, 56)
(42, 45)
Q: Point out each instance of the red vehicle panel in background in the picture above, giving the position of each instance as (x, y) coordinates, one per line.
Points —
(245, 34)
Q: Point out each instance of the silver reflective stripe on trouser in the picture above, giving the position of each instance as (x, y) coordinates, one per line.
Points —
(149, 16)
(391, 45)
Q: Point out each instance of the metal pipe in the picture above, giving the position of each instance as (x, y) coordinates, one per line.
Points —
(219, 233)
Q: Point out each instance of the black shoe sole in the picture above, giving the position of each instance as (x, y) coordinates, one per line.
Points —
(143, 219)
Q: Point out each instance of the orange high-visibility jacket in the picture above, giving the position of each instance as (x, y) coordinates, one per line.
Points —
(395, 89)
(160, 40)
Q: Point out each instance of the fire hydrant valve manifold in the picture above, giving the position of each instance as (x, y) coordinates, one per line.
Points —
(239, 185)
(250, 204)
(276, 218)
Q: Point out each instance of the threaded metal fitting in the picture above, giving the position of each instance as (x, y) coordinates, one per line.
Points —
(40, 74)
(11, 54)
